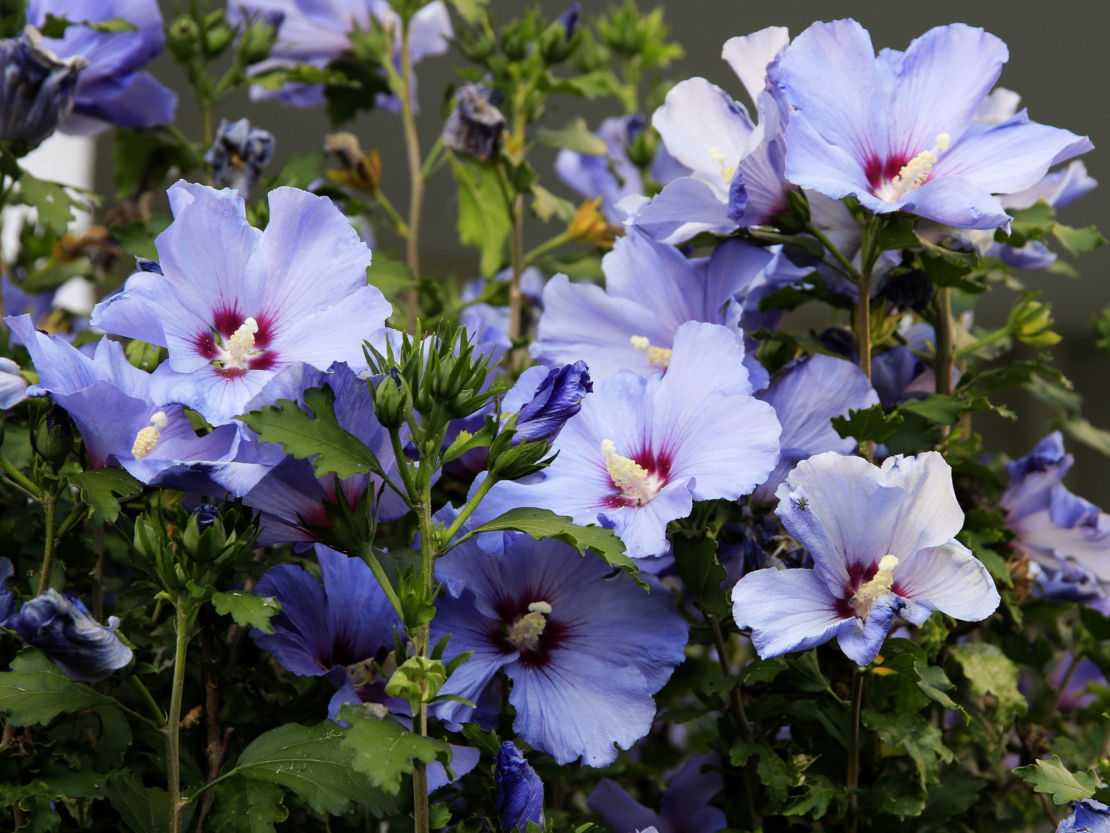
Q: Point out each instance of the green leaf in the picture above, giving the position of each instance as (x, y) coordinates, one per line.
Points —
(140, 157)
(910, 735)
(1053, 778)
(484, 220)
(245, 806)
(867, 424)
(137, 237)
(98, 490)
(384, 750)
(575, 136)
(991, 672)
(344, 101)
(762, 670)
(335, 449)
(895, 232)
(699, 570)
(489, 742)
(820, 793)
(1078, 240)
(35, 691)
(143, 809)
(1081, 429)
(945, 410)
(546, 205)
(949, 268)
(543, 523)
(55, 27)
(313, 763)
(247, 609)
(775, 773)
(54, 204)
(802, 241)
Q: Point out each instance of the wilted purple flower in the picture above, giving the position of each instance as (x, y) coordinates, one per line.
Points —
(897, 131)
(585, 649)
(318, 33)
(882, 543)
(475, 125)
(642, 450)
(235, 304)
(519, 789)
(651, 290)
(238, 155)
(111, 90)
(110, 402)
(37, 89)
(684, 808)
(1088, 816)
(806, 395)
(1065, 535)
(62, 628)
(556, 396)
(290, 496)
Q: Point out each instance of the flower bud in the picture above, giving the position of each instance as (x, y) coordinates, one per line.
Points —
(217, 38)
(259, 38)
(1030, 322)
(519, 790)
(37, 90)
(392, 400)
(181, 39)
(54, 437)
(204, 537)
(799, 205)
(475, 125)
(557, 399)
(557, 42)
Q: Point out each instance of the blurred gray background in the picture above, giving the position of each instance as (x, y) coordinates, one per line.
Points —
(1059, 63)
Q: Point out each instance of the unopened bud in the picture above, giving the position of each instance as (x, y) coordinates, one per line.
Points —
(54, 438)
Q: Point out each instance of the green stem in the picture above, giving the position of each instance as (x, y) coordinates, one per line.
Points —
(542, 249)
(736, 700)
(434, 157)
(852, 781)
(391, 212)
(1046, 721)
(48, 508)
(403, 466)
(863, 321)
(173, 721)
(944, 341)
(72, 519)
(516, 296)
(851, 270)
(468, 510)
(148, 701)
(376, 568)
(19, 478)
(416, 168)
(423, 640)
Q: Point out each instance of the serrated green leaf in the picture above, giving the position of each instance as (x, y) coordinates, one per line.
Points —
(1081, 429)
(867, 424)
(699, 570)
(137, 237)
(945, 410)
(484, 220)
(246, 806)
(99, 488)
(762, 670)
(819, 793)
(991, 672)
(55, 27)
(143, 809)
(311, 762)
(1078, 240)
(336, 449)
(489, 742)
(384, 750)
(546, 205)
(140, 156)
(247, 609)
(54, 204)
(1053, 778)
(543, 523)
(574, 136)
(911, 735)
(35, 691)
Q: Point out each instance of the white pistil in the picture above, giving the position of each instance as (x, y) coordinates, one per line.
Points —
(657, 356)
(916, 171)
(727, 171)
(879, 586)
(147, 439)
(525, 632)
(633, 480)
(241, 344)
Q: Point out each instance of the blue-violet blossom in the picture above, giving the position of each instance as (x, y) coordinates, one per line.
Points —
(684, 808)
(882, 542)
(642, 450)
(233, 305)
(556, 399)
(1088, 816)
(519, 789)
(585, 649)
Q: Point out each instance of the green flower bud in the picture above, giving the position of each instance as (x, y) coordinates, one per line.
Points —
(181, 38)
(392, 400)
(54, 436)
(259, 38)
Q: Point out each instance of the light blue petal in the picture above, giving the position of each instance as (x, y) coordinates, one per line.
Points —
(683, 209)
(950, 579)
(862, 642)
(749, 56)
(787, 610)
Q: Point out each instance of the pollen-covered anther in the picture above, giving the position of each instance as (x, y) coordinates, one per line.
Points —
(657, 356)
(147, 439)
(727, 171)
(634, 481)
(241, 343)
(915, 172)
(525, 632)
(879, 585)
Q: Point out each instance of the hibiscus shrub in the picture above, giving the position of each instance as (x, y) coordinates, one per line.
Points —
(297, 536)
